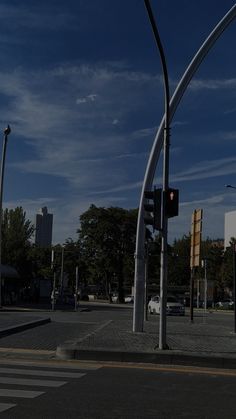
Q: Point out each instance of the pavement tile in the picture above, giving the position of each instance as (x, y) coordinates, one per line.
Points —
(101, 334)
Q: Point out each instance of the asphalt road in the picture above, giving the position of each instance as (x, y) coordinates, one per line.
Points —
(56, 390)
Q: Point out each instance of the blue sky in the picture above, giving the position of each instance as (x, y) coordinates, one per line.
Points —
(81, 87)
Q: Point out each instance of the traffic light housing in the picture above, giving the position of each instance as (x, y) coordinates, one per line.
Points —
(153, 209)
(172, 202)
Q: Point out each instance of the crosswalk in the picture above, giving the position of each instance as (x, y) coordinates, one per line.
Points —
(33, 380)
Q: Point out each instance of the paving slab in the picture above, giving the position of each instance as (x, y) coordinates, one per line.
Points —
(102, 333)
(12, 322)
(204, 343)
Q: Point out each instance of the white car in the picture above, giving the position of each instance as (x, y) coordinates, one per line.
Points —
(129, 299)
(173, 306)
(225, 305)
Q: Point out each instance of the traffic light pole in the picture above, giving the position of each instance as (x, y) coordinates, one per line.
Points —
(164, 230)
(154, 157)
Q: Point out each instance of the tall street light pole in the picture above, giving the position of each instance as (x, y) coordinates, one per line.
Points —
(166, 146)
(5, 138)
(230, 186)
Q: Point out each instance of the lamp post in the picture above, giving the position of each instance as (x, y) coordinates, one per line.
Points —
(204, 265)
(234, 282)
(230, 186)
(5, 138)
(166, 146)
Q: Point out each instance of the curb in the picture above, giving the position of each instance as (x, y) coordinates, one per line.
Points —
(166, 357)
(23, 326)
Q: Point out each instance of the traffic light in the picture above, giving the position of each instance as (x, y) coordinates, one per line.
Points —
(172, 202)
(153, 210)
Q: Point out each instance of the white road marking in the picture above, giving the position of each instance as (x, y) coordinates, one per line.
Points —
(42, 373)
(6, 392)
(70, 365)
(31, 382)
(6, 406)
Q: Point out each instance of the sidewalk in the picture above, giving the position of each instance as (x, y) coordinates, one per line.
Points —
(206, 342)
(13, 322)
(101, 332)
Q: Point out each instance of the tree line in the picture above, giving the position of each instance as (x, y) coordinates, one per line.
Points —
(104, 253)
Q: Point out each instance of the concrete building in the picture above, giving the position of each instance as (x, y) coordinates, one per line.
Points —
(230, 227)
(43, 233)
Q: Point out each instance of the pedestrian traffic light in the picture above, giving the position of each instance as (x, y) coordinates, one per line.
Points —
(172, 202)
(153, 210)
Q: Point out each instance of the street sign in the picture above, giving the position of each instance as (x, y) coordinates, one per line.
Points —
(196, 236)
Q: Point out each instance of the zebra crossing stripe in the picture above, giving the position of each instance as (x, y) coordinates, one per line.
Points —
(6, 406)
(58, 365)
(6, 392)
(31, 382)
(42, 373)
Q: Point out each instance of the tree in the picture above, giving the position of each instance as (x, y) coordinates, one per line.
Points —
(107, 242)
(213, 252)
(226, 271)
(16, 234)
(40, 258)
(72, 259)
(179, 262)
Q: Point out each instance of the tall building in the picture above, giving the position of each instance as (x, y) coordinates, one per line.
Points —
(230, 227)
(43, 233)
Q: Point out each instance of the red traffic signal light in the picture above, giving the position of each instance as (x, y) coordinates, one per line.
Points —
(172, 202)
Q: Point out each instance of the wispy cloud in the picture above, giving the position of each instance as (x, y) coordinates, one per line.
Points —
(70, 115)
(34, 16)
(88, 98)
(211, 84)
(70, 141)
(207, 169)
(230, 111)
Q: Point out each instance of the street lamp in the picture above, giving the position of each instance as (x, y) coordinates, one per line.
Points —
(230, 186)
(5, 138)
(166, 146)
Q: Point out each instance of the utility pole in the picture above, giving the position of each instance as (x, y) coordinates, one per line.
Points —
(53, 267)
(62, 270)
(166, 145)
(234, 282)
(76, 287)
(146, 283)
(7, 131)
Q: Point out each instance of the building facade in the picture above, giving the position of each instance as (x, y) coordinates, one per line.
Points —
(43, 233)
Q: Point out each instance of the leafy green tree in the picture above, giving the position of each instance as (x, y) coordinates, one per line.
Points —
(213, 252)
(107, 241)
(40, 262)
(227, 270)
(72, 259)
(17, 231)
(179, 262)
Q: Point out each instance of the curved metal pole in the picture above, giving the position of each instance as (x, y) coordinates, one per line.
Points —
(153, 159)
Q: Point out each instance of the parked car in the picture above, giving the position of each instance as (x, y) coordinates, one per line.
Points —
(114, 298)
(173, 306)
(225, 305)
(129, 299)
